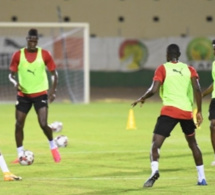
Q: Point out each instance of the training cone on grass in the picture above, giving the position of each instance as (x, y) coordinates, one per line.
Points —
(131, 125)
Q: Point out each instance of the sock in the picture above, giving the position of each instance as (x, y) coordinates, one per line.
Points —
(3, 164)
(154, 166)
(201, 172)
(20, 149)
(52, 144)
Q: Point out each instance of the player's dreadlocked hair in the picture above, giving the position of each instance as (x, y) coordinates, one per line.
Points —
(173, 52)
(213, 42)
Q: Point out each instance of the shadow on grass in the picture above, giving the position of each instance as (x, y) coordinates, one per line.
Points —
(182, 155)
(122, 174)
(116, 192)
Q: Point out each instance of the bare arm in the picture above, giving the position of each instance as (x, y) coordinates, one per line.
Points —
(53, 89)
(208, 90)
(198, 98)
(150, 92)
(12, 79)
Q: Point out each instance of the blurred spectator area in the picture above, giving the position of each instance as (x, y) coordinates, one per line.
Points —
(113, 18)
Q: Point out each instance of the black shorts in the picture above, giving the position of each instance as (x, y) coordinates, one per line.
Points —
(166, 124)
(24, 104)
(212, 109)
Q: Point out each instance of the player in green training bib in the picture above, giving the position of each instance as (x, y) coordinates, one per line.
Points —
(32, 86)
(211, 90)
(176, 82)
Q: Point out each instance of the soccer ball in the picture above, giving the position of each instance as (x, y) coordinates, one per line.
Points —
(61, 141)
(26, 157)
(56, 126)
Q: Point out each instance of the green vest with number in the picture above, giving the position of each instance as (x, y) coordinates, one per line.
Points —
(177, 87)
(32, 75)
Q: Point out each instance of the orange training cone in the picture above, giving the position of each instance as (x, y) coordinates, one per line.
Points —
(131, 125)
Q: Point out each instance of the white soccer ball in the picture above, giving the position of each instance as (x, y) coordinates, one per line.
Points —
(26, 157)
(61, 141)
(56, 126)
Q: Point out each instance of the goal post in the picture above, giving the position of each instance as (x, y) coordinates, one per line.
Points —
(69, 45)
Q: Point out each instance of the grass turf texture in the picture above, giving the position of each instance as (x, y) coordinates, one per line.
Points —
(102, 157)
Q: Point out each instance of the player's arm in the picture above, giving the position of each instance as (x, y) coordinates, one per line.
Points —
(208, 90)
(12, 79)
(47, 57)
(198, 98)
(150, 92)
(53, 89)
(13, 70)
(158, 79)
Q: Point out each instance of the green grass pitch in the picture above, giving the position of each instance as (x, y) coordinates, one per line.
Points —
(102, 157)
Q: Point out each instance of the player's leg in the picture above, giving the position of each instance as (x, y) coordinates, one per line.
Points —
(188, 128)
(162, 130)
(42, 119)
(212, 136)
(157, 142)
(8, 176)
(212, 126)
(19, 132)
(22, 108)
(41, 107)
(197, 155)
(212, 129)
